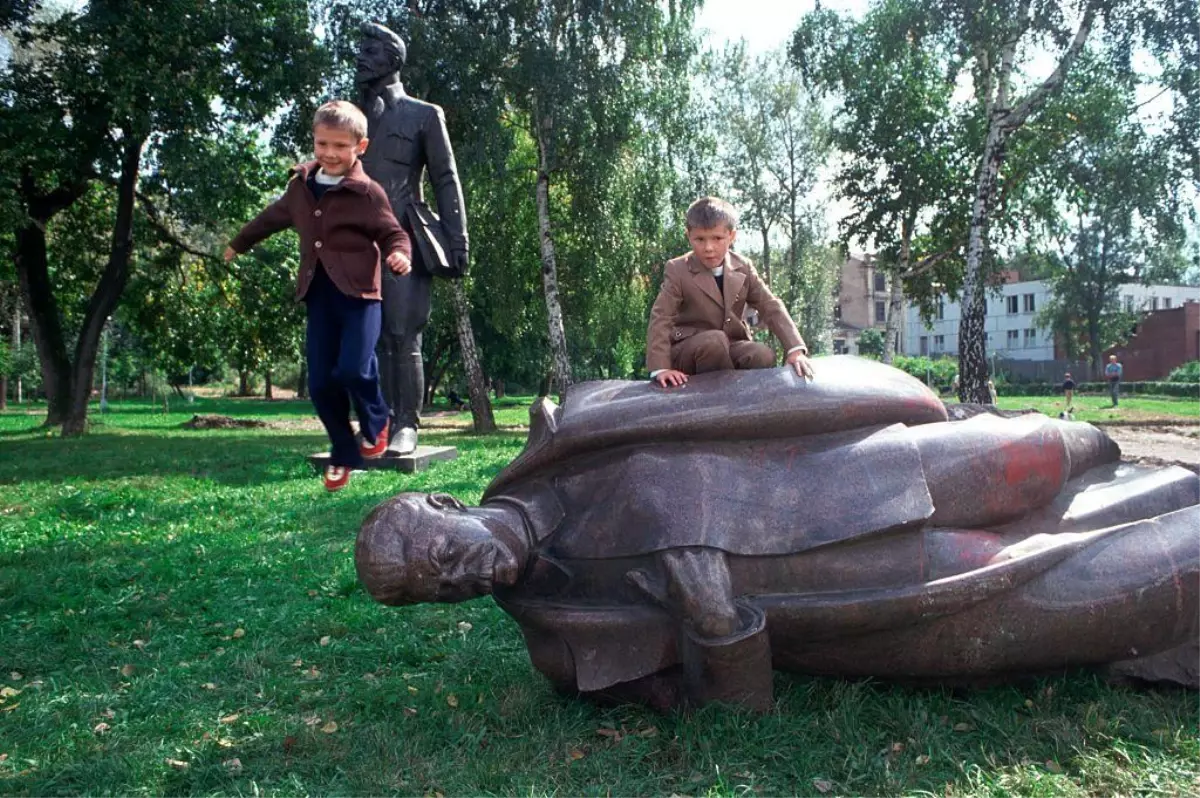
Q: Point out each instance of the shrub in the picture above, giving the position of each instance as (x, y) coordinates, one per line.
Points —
(1188, 372)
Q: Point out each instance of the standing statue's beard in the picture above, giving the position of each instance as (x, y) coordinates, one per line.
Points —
(365, 76)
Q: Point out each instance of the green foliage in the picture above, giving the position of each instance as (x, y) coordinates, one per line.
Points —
(938, 373)
(870, 343)
(1188, 372)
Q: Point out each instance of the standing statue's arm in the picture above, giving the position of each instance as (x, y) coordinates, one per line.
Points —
(443, 175)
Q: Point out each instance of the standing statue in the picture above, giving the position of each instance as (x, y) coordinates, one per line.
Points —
(408, 137)
(673, 547)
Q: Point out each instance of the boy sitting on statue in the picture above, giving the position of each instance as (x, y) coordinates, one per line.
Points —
(344, 221)
(696, 322)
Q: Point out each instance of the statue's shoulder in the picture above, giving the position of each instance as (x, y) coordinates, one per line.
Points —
(419, 108)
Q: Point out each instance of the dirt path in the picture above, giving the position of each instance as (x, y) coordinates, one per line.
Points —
(1164, 444)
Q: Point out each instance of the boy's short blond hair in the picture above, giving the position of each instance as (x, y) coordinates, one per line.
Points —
(341, 115)
(709, 212)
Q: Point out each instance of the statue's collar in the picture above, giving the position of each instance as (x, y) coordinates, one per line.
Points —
(392, 93)
(539, 508)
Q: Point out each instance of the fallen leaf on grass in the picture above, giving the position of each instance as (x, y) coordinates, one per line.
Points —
(140, 645)
(313, 673)
(464, 627)
(963, 727)
(229, 718)
(239, 633)
(15, 676)
(923, 759)
(612, 734)
(108, 713)
(312, 720)
(368, 677)
(178, 764)
(897, 747)
(225, 742)
(452, 700)
(330, 727)
(3, 757)
(101, 728)
(410, 712)
(298, 663)
(209, 686)
(233, 765)
(127, 670)
(289, 743)
(8, 692)
(576, 755)
(412, 689)
(822, 785)
(649, 731)
(326, 640)
(1053, 766)
(10, 707)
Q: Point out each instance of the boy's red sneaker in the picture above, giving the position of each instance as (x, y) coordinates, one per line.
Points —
(336, 478)
(373, 450)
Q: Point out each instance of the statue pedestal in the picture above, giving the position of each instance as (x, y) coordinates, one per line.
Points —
(408, 463)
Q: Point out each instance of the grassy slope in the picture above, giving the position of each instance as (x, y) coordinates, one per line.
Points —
(195, 593)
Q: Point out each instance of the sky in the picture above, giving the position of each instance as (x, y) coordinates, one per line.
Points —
(764, 24)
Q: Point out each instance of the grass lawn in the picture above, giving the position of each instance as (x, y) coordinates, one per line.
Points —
(1098, 407)
(179, 614)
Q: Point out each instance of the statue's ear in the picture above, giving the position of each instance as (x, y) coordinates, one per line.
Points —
(441, 501)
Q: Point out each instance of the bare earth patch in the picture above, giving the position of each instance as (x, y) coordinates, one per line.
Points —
(1165, 444)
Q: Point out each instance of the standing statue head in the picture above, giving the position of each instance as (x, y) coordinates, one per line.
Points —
(420, 547)
(381, 54)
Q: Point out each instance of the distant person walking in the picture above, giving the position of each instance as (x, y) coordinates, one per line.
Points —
(1112, 373)
(1068, 388)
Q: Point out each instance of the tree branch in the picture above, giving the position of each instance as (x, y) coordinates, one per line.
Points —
(1038, 96)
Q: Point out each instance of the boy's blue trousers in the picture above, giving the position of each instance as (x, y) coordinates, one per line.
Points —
(342, 369)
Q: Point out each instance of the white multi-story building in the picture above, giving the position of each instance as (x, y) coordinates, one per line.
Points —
(1011, 326)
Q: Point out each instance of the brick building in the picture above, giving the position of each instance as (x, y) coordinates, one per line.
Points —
(1165, 339)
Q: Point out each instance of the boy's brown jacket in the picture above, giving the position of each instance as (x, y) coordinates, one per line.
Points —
(345, 231)
(689, 302)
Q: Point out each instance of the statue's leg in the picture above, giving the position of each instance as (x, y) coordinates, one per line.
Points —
(704, 351)
(751, 355)
(406, 308)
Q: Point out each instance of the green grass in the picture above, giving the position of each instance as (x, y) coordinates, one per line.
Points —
(194, 592)
(1096, 407)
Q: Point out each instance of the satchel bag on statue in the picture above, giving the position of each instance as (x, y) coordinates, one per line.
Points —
(431, 248)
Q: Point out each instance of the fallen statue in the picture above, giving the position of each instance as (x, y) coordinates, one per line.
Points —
(674, 546)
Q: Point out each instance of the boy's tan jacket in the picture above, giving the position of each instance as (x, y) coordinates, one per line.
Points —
(690, 302)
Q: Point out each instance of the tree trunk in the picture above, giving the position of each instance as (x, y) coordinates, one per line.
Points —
(44, 318)
(972, 354)
(243, 383)
(4, 392)
(896, 300)
(481, 403)
(558, 336)
(268, 387)
(302, 380)
(108, 291)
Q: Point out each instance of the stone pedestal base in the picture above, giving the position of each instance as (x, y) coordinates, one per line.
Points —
(408, 463)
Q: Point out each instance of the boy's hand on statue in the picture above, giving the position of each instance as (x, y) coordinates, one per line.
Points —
(800, 362)
(398, 263)
(230, 254)
(668, 378)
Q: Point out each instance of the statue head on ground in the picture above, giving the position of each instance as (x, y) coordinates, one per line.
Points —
(419, 547)
(381, 53)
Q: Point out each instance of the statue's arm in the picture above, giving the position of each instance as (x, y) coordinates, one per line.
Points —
(443, 175)
(726, 652)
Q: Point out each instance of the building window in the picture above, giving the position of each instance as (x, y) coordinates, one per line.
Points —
(1012, 304)
(941, 309)
(880, 282)
(1154, 303)
(1166, 303)
(924, 344)
(880, 312)
(839, 346)
(1129, 303)
(837, 311)
(1030, 338)
(1013, 337)
(1029, 303)
(939, 343)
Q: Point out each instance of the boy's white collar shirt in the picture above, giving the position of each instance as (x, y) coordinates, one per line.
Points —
(327, 179)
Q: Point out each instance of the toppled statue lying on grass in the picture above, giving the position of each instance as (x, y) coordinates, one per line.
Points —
(674, 546)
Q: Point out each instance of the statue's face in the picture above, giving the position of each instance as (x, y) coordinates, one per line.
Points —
(419, 548)
(374, 60)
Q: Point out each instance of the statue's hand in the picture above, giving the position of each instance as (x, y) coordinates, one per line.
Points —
(697, 590)
(458, 260)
